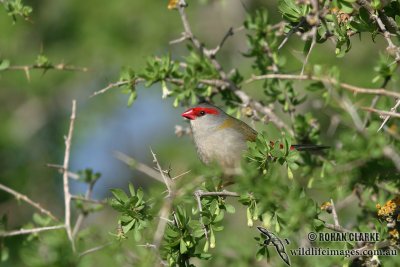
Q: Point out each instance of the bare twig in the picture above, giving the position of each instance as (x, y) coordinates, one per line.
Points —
(138, 166)
(89, 251)
(29, 201)
(393, 109)
(214, 51)
(334, 214)
(328, 80)
(67, 195)
(336, 228)
(180, 175)
(60, 168)
(110, 86)
(179, 40)
(60, 67)
(166, 180)
(167, 206)
(293, 30)
(31, 231)
(147, 245)
(222, 193)
(383, 112)
(375, 101)
(313, 42)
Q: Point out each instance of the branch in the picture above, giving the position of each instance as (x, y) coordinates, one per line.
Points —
(393, 109)
(383, 112)
(222, 193)
(167, 206)
(334, 214)
(328, 80)
(89, 251)
(198, 194)
(60, 168)
(60, 66)
(29, 201)
(292, 31)
(113, 85)
(166, 180)
(138, 166)
(336, 228)
(313, 42)
(45, 67)
(67, 195)
(31, 231)
(214, 51)
(386, 34)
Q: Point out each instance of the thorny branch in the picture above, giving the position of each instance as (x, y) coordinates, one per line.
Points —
(166, 180)
(29, 201)
(45, 67)
(67, 195)
(383, 112)
(392, 111)
(328, 80)
(60, 168)
(134, 164)
(31, 231)
(92, 250)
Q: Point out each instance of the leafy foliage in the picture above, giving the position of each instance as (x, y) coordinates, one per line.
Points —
(134, 210)
(281, 189)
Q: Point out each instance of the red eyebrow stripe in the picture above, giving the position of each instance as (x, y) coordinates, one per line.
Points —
(206, 110)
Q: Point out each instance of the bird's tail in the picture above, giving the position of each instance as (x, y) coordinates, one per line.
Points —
(308, 147)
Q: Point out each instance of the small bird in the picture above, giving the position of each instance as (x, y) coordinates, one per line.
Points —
(222, 138)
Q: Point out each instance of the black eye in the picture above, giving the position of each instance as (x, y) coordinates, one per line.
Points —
(202, 113)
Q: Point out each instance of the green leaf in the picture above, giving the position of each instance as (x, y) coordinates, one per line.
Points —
(290, 173)
(132, 189)
(4, 64)
(119, 195)
(212, 239)
(206, 246)
(132, 98)
(230, 208)
(128, 227)
(5, 254)
(182, 247)
(249, 218)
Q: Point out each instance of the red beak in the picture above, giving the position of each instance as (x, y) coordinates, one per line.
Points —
(189, 114)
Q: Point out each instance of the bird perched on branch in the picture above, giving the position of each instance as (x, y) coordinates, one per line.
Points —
(222, 138)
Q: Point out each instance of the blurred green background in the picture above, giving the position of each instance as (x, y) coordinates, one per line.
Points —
(105, 36)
